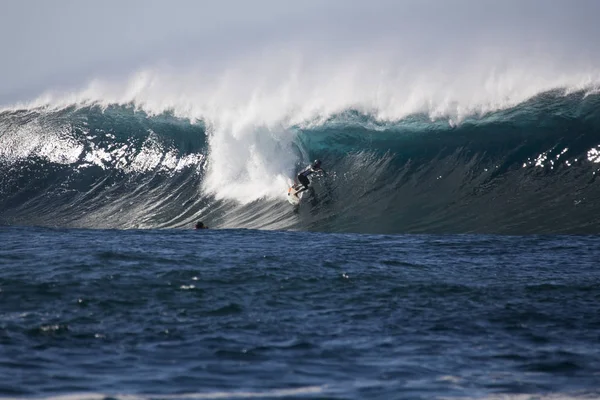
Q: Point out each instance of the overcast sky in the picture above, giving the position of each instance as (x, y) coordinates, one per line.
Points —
(49, 44)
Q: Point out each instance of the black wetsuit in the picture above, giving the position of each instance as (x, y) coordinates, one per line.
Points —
(303, 175)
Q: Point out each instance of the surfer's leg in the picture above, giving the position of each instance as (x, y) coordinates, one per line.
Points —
(302, 190)
(303, 181)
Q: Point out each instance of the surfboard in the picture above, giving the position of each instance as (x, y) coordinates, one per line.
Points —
(292, 198)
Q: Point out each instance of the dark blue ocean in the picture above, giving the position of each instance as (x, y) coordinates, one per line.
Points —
(235, 313)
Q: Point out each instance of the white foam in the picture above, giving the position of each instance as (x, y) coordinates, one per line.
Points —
(267, 394)
(57, 145)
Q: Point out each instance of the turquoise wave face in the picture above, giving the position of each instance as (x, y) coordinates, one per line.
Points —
(528, 169)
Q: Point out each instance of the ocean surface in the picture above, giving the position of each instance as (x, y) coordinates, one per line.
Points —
(450, 250)
(243, 313)
(435, 259)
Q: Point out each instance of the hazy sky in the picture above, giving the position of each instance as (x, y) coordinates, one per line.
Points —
(50, 44)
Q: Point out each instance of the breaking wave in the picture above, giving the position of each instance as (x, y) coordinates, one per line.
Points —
(527, 168)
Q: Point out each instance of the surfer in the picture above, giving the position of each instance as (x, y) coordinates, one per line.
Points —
(200, 225)
(303, 175)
